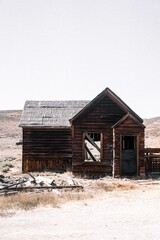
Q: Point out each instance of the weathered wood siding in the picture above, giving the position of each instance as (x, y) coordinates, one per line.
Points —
(59, 149)
(99, 119)
(152, 160)
(132, 128)
(46, 149)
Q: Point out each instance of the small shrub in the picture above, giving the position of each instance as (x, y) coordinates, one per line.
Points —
(76, 196)
(101, 185)
(5, 170)
(8, 165)
(124, 185)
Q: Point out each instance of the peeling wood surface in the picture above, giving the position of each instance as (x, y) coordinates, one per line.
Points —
(46, 149)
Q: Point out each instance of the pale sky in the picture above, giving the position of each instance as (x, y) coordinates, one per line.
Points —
(74, 49)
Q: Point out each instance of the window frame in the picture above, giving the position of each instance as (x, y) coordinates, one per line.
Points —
(92, 133)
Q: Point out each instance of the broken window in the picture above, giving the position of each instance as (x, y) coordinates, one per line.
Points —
(92, 146)
(128, 142)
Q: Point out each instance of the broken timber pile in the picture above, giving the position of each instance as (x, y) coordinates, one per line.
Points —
(34, 184)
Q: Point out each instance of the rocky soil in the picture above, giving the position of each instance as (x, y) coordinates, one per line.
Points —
(10, 134)
(152, 132)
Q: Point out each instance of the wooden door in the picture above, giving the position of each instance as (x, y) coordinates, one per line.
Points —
(128, 155)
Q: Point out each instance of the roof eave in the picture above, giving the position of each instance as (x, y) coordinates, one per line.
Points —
(87, 106)
(42, 126)
(123, 104)
(125, 117)
(114, 97)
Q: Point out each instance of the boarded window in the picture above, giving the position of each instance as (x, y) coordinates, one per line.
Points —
(92, 146)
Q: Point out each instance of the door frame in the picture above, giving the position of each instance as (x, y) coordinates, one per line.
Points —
(137, 151)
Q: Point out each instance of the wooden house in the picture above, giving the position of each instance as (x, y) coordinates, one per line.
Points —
(93, 138)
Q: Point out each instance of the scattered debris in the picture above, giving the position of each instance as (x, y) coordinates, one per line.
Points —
(32, 183)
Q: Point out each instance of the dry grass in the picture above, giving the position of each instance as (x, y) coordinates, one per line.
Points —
(118, 185)
(77, 196)
(28, 201)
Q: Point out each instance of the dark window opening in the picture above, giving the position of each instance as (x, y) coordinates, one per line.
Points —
(128, 142)
(95, 136)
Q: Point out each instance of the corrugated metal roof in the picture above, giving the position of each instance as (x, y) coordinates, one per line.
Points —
(50, 113)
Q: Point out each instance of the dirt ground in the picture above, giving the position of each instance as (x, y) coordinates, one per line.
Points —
(127, 215)
(10, 134)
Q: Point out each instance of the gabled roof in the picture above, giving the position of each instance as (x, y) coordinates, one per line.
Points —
(57, 114)
(125, 117)
(50, 113)
(111, 95)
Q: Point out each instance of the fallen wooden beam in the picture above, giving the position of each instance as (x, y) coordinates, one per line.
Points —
(34, 180)
(47, 187)
(6, 193)
(89, 152)
(39, 188)
(14, 184)
(92, 142)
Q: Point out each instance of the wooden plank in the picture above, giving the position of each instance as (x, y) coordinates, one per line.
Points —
(7, 193)
(152, 156)
(14, 184)
(92, 142)
(46, 149)
(40, 187)
(91, 155)
(152, 150)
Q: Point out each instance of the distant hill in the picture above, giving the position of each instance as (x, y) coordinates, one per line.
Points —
(152, 132)
(148, 121)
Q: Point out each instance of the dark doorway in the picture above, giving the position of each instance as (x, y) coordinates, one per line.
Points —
(129, 155)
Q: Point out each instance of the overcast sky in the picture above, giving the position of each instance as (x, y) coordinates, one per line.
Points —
(74, 49)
